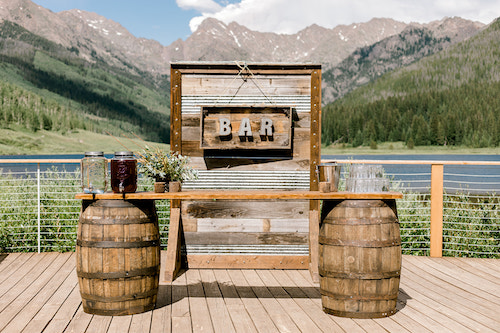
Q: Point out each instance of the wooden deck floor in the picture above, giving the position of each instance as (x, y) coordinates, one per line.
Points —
(39, 293)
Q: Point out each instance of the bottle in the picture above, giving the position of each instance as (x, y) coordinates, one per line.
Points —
(94, 168)
(124, 172)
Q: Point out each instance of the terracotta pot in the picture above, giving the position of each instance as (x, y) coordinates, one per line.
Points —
(160, 187)
(174, 186)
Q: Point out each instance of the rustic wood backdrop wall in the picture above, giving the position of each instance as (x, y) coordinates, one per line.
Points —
(251, 228)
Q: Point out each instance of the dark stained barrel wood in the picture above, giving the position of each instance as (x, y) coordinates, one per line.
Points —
(360, 258)
(118, 256)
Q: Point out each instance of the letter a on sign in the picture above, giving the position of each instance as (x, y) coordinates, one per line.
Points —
(224, 127)
(245, 127)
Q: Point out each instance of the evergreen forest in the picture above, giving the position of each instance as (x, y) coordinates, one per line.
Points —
(450, 98)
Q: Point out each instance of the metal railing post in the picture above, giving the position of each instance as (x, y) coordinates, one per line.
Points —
(38, 200)
(437, 210)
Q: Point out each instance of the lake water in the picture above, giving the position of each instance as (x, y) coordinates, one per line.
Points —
(474, 178)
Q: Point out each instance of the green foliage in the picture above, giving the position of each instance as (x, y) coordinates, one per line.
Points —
(92, 96)
(59, 211)
(450, 98)
(161, 166)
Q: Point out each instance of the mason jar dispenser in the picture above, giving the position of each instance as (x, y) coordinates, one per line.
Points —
(94, 168)
(124, 172)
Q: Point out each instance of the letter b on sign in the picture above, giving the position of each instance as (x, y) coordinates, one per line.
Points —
(224, 127)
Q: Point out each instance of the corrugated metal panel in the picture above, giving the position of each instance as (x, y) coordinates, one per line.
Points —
(191, 104)
(228, 179)
(248, 249)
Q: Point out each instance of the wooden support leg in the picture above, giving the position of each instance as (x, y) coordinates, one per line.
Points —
(175, 235)
(314, 240)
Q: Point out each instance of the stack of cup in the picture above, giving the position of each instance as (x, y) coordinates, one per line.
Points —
(367, 178)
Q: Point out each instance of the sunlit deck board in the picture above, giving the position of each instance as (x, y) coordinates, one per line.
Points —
(39, 293)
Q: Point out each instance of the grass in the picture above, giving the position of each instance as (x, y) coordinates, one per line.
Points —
(20, 141)
(399, 148)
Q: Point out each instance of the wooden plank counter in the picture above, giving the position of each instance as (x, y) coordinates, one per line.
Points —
(175, 237)
(241, 195)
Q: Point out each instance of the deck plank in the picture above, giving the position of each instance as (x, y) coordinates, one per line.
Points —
(221, 320)
(347, 324)
(22, 298)
(298, 292)
(40, 293)
(296, 313)
(181, 316)
(278, 314)
(32, 311)
(10, 278)
(241, 319)
(451, 277)
(465, 299)
(50, 308)
(198, 306)
(162, 314)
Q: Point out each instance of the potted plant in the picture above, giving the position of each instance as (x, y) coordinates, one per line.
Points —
(165, 168)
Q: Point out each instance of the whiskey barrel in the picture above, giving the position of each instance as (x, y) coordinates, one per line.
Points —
(360, 258)
(118, 256)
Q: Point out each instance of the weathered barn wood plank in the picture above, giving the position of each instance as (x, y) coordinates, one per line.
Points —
(230, 85)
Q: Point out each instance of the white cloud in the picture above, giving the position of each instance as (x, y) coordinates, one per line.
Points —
(203, 6)
(290, 16)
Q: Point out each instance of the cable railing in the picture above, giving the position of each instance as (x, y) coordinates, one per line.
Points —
(438, 216)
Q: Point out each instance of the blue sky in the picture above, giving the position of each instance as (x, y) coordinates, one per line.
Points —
(169, 20)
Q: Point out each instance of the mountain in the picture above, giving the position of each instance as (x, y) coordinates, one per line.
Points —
(449, 98)
(215, 40)
(103, 78)
(415, 42)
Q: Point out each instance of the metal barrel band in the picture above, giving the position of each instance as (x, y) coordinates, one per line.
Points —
(121, 312)
(358, 243)
(123, 298)
(392, 297)
(365, 203)
(360, 276)
(360, 315)
(148, 271)
(361, 220)
(119, 245)
(114, 221)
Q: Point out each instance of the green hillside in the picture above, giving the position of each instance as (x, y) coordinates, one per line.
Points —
(450, 98)
(44, 86)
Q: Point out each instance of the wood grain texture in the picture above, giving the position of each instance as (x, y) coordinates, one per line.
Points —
(242, 195)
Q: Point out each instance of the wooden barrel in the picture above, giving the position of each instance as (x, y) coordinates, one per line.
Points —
(360, 258)
(118, 256)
